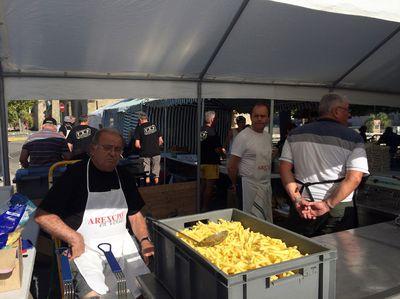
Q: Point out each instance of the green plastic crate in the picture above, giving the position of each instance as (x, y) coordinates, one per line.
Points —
(184, 273)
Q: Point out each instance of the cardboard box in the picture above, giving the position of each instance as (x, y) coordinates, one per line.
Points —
(11, 268)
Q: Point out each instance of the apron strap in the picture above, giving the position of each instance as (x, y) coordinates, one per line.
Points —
(307, 185)
(87, 177)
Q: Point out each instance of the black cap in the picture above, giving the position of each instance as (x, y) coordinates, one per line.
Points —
(83, 118)
(50, 121)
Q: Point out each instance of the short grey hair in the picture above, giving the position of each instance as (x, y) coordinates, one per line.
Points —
(142, 115)
(330, 101)
(209, 116)
(111, 131)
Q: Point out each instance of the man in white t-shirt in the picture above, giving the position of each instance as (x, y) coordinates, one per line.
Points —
(251, 159)
(321, 165)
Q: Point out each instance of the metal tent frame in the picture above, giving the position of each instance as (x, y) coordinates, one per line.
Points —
(16, 82)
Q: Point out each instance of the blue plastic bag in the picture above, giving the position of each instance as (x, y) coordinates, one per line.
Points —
(14, 215)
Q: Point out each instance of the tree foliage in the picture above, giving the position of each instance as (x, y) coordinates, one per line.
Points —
(20, 111)
(382, 116)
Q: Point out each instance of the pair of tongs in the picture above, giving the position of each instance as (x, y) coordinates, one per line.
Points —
(68, 290)
(122, 290)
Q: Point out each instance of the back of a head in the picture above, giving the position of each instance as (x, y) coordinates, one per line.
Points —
(209, 116)
(83, 119)
(240, 119)
(143, 116)
(49, 121)
(69, 119)
(328, 102)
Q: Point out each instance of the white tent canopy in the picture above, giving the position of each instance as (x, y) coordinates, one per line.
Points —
(297, 50)
(252, 49)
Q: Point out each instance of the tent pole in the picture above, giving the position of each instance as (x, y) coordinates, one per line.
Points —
(363, 59)
(271, 118)
(200, 107)
(165, 144)
(4, 132)
(223, 39)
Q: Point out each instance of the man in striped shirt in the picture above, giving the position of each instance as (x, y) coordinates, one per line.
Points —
(44, 147)
(321, 165)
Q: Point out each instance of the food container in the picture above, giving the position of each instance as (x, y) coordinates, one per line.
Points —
(184, 273)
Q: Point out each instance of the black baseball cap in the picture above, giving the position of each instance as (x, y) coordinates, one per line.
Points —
(83, 118)
(50, 121)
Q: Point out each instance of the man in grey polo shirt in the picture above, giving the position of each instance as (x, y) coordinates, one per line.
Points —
(321, 165)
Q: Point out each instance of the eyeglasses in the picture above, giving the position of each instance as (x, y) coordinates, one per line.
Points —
(345, 109)
(110, 148)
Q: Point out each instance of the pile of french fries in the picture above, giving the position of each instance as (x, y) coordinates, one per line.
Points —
(242, 250)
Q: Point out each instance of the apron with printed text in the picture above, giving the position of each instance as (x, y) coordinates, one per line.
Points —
(257, 188)
(104, 220)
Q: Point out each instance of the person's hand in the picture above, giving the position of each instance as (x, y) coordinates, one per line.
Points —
(147, 250)
(77, 246)
(318, 208)
(306, 211)
(303, 208)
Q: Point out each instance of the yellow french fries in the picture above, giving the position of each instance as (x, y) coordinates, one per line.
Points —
(242, 250)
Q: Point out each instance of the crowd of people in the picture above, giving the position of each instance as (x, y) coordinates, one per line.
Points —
(51, 144)
(321, 165)
(71, 141)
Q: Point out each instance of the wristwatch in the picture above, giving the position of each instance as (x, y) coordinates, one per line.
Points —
(144, 238)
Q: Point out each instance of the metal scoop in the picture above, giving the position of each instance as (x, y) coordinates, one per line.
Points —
(209, 241)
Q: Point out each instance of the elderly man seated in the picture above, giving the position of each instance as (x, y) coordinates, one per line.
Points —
(44, 147)
(89, 205)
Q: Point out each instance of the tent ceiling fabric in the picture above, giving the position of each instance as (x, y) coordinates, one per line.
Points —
(158, 48)
(309, 47)
(168, 38)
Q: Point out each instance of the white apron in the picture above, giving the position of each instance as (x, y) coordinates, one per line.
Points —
(256, 190)
(104, 220)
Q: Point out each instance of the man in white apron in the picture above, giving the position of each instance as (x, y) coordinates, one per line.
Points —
(251, 159)
(89, 206)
